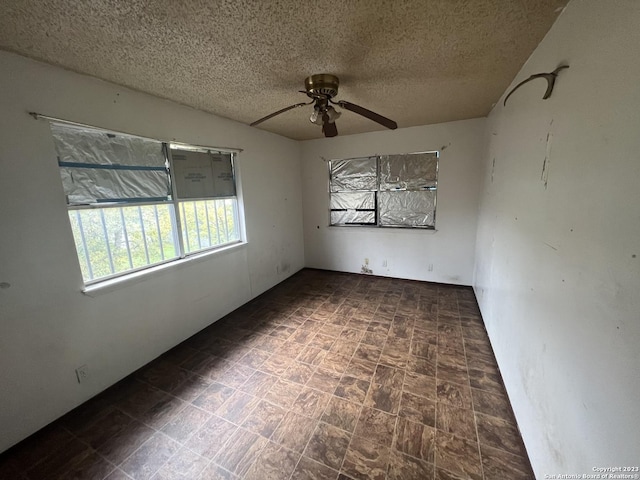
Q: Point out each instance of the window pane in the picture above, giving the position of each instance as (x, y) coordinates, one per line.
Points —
(408, 172)
(202, 174)
(352, 217)
(353, 200)
(118, 239)
(209, 223)
(407, 208)
(354, 174)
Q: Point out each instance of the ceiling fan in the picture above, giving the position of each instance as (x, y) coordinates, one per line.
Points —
(321, 89)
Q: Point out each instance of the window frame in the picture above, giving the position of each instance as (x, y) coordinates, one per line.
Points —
(175, 211)
(177, 201)
(378, 190)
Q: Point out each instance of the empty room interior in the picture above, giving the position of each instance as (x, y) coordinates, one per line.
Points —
(326, 241)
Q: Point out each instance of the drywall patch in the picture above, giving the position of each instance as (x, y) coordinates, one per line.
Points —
(546, 164)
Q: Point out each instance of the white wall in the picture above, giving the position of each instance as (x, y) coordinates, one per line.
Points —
(47, 326)
(408, 253)
(558, 265)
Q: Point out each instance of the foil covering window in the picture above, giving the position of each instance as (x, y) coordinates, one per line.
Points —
(385, 191)
(407, 208)
(97, 166)
(408, 172)
(354, 174)
(203, 174)
(353, 185)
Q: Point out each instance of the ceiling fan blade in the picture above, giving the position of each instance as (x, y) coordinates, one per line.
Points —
(290, 107)
(328, 128)
(376, 117)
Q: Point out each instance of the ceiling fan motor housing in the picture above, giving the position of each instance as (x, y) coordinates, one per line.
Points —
(322, 84)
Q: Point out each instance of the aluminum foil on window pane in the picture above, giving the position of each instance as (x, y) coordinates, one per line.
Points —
(354, 174)
(408, 172)
(407, 208)
(353, 217)
(353, 201)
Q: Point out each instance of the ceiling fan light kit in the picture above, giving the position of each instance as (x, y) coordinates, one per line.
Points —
(321, 89)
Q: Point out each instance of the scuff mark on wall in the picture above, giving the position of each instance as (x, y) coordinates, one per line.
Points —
(493, 168)
(365, 268)
(546, 164)
(551, 246)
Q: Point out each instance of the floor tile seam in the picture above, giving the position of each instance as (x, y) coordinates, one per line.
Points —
(243, 455)
(418, 458)
(395, 423)
(500, 419)
(473, 406)
(504, 394)
(181, 446)
(502, 450)
(211, 462)
(435, 416)
(95, 449)
(154, 387)
(184, 446)
(75, 463)
(496, 447)
(352, 434)
(314, 461)
(239, 425)
(119, 465)
(304, 450)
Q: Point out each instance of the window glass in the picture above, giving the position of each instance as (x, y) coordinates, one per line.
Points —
(209, 223)
(114, 240)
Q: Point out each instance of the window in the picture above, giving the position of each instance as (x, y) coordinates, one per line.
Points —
(384, 191)
(135, 202)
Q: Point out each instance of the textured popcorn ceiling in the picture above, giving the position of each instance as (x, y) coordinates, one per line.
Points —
(418, 62)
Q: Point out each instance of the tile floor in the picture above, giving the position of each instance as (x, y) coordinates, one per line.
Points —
(328, 376)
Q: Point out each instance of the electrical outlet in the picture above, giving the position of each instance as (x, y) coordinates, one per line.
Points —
(82, 373)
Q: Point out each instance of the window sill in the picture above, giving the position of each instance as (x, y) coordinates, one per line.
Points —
(377, 228)
(112, 284)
